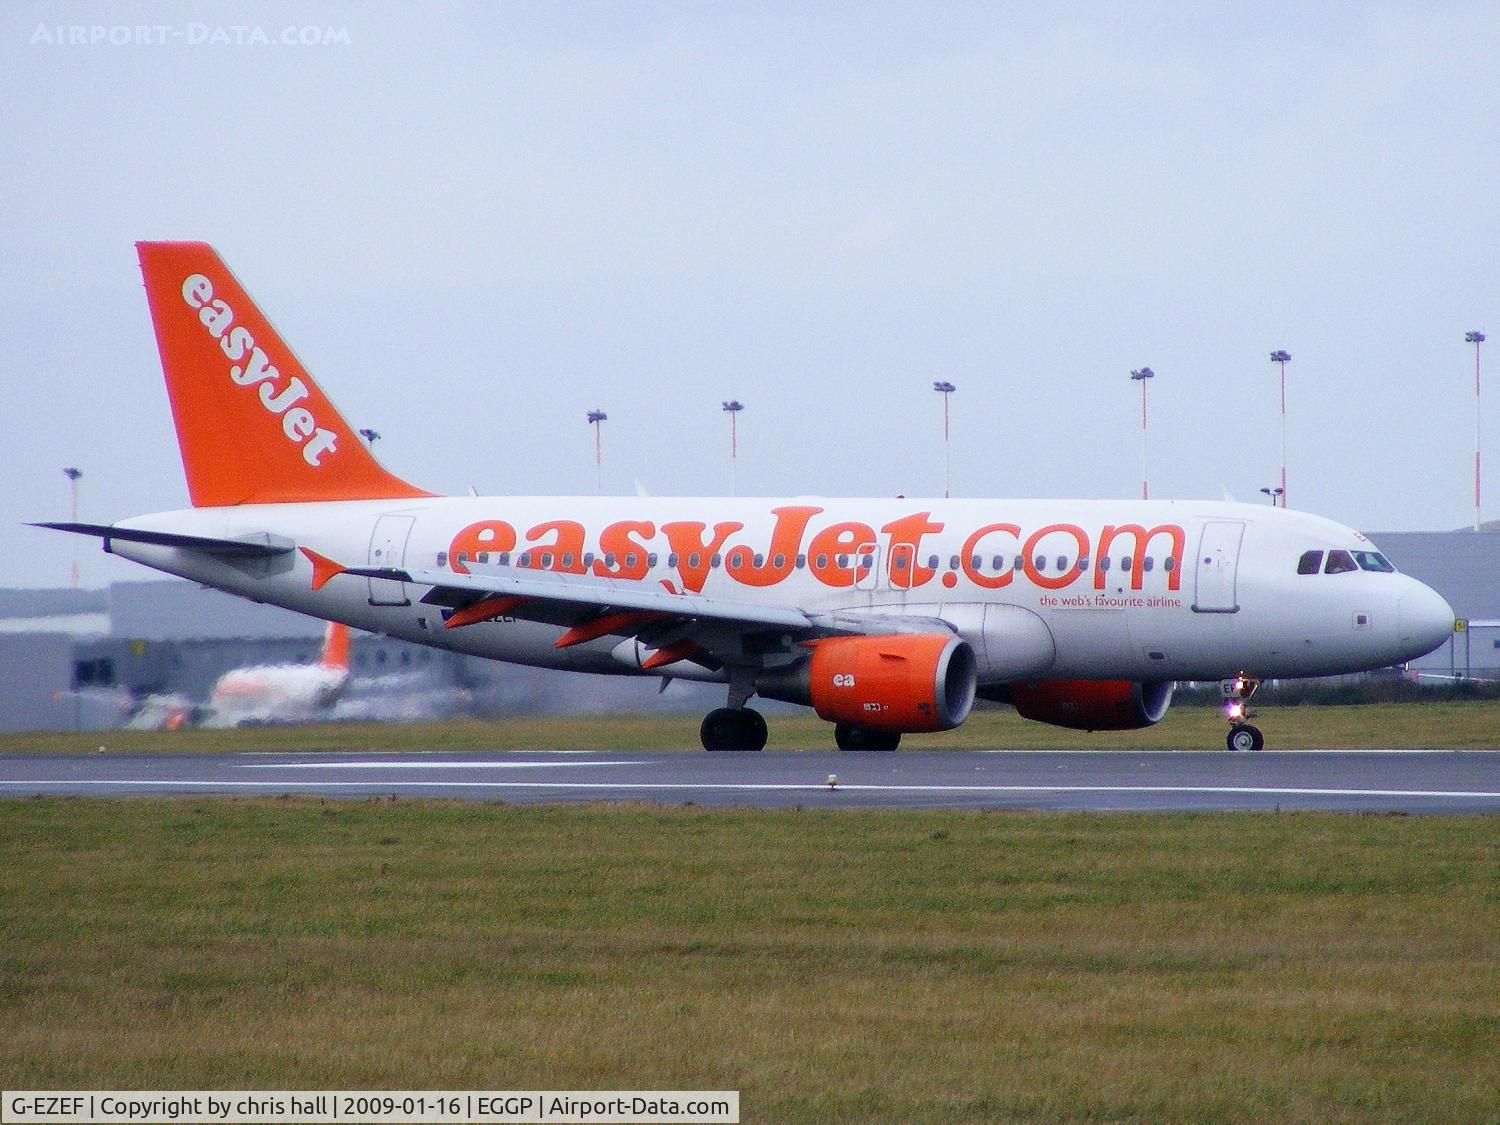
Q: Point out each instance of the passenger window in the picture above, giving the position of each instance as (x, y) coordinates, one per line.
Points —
(609, 561)
(1062, 563)
(503, 558)
(1339, 562)
(999, 562)
(1019, 564)
(672, 559)
(1083, 563)
(1310, 562)
(1125, 564)
(801, 561)
(715, 561)
(568, 560)
(547, 562)
(525, 559)
(932, 561)
(976, 563)
(760, 561)
(630, 559)
(1169, 563)
(651, 559)
(779, 561)
(866, 562)
(1040, 562)
(694, 559)
(442, 558)
(953, 563)
(822, 562)
(1148, 563)
(1104, 564)
(843, 561)
(1369, 560)
(901, 562)
(588, 559)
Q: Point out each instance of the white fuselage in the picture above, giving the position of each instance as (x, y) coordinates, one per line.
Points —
(1191, 589)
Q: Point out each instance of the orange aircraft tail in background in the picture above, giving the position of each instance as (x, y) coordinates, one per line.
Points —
(252, 425)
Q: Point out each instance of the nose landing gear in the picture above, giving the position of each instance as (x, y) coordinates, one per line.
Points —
(1237, 694)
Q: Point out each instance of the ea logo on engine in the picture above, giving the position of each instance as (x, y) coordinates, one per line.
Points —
(843, 679)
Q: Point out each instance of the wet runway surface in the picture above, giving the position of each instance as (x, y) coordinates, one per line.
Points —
(1389, 781)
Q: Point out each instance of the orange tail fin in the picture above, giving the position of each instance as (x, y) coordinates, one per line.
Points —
(336, 646)
(252, 425)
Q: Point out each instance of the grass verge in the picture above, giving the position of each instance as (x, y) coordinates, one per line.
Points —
(922, 966)
(1467, 725)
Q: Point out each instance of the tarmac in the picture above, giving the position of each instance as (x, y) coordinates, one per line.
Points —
(1391, 781)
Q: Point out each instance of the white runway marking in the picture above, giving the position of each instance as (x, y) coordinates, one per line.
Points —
(424, 765)
(816, 786)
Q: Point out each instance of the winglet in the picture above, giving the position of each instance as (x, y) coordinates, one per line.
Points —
(324, 569)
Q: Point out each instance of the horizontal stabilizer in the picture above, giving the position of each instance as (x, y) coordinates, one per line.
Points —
(262, 546)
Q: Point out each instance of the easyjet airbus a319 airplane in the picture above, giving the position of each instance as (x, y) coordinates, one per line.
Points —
(885, 616)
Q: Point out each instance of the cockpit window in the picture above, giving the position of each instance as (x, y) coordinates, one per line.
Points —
(1373, 560)
(1339, 562)
(1310, 562)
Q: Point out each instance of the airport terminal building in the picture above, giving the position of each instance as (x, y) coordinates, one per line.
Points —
(79, 659)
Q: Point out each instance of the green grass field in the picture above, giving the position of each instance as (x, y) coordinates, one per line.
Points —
(834, 966)
(1468, 725)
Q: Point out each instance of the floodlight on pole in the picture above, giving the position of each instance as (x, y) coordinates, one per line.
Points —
(74, 475)
(1476, 338)
(1282, 358)
(1140, 375)
(733, 408)
(370, 436)
(945, 388)
(595, 417)
(1273, 493)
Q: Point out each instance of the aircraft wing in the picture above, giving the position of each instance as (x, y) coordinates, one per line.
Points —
(707, 630)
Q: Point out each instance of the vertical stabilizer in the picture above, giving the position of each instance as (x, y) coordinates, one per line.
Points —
(336, 647)
(252, 425)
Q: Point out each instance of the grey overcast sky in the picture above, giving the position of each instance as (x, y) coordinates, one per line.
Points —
(475, 222)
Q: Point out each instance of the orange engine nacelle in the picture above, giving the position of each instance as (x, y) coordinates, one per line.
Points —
(907, 682)
(1093, 704)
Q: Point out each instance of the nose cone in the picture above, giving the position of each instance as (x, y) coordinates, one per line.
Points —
(1425, 620)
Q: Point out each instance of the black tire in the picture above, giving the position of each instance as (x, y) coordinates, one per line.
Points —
(1244, 738)
(733, 728)
(849, 737)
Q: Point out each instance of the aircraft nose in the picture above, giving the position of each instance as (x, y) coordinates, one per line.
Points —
(1425, 619)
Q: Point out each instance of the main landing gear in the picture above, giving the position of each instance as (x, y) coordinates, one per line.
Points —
(1237, 694)
(863, 738)
(733, 728)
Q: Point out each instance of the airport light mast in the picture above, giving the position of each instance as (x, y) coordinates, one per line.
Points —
(733, 408)
(945, 388)
(1476, 338)
(1273, 493)
(370, 436)
(1140, 375)
(74, 475)
(1282, 358)
(595, 417)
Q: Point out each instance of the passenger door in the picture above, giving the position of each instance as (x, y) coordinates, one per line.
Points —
(1218, 564)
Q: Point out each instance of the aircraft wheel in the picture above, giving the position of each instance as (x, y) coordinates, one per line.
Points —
(733, 728)
(850, 737)
(1244, 737)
